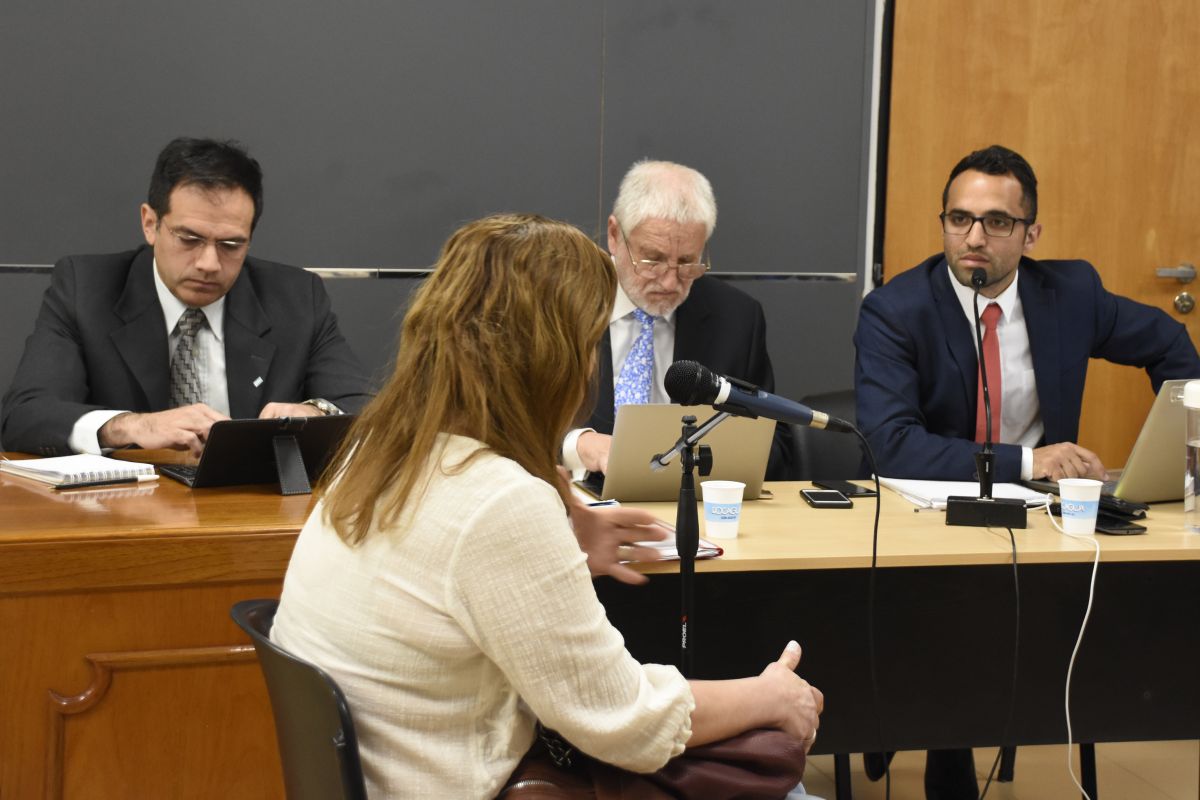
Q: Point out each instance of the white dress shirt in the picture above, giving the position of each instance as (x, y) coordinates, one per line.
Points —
(1020, 413)
(211, 340)
(623, 331)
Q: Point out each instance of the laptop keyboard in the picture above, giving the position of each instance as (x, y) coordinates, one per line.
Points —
(184, 473)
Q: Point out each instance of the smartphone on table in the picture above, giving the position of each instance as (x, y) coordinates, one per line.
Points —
(825, 498)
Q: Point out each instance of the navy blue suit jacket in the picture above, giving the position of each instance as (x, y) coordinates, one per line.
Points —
(724, 329)
(916, 368)
(100, 342)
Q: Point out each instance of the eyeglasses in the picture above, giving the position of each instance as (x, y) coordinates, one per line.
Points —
(655, 268)
(191, 242)
(959, 223)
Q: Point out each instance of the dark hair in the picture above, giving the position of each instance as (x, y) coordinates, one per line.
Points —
(206, 163)
(999, 160)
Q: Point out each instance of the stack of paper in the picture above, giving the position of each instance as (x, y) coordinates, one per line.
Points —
(933, 494)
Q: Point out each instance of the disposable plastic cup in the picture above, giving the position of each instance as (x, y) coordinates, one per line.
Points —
(722, 508)
(1080, 503)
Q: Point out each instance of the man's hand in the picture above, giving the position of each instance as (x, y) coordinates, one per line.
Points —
(183, 428)
(1066, 460)
(277, 410)
(602, 532)
(593, 450)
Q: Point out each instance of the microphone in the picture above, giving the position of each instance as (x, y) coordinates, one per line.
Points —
(985, 510)
(692, 384)
(979, 279)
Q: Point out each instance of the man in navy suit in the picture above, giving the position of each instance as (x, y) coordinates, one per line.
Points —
(666, 310)
(261, 337)
(916, 373)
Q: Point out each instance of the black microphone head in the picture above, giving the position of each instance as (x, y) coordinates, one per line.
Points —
(690, 383)
(979, 277)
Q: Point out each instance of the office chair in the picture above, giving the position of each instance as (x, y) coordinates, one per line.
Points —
(825, 455)
(317, 743)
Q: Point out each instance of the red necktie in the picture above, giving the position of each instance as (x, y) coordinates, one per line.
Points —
(991, 359)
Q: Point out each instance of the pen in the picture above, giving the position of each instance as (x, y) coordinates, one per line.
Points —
(85, 484)
(113, 482)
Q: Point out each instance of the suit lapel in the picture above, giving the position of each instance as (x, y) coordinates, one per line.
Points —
(602, 415)
(247, 354)
(694, 331)
(1039, 304)
(142, 340)
(958, 336)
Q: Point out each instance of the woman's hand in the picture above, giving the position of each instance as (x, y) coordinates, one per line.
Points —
(798, 703)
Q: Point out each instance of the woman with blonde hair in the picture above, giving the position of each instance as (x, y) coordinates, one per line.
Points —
(438, 579)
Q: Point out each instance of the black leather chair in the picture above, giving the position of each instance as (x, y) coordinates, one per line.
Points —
(826, 455)
(317, 744)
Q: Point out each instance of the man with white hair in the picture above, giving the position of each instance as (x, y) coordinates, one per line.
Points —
(664, 311)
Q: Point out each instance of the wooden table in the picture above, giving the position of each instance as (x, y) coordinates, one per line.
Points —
(944, 614)
(123, 675)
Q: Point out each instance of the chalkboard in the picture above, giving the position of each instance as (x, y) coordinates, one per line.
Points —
(383, 125)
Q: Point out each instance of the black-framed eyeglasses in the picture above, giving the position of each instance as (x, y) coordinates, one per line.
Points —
(959, 223)
(226, 248)
(654, 268)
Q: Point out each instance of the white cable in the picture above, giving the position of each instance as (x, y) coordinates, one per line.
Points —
(1078, 641)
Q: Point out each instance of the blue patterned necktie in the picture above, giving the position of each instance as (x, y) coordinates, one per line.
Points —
(187, 383)
(633, 384)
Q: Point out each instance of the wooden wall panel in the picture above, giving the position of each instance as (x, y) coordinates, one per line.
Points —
(1103, 99)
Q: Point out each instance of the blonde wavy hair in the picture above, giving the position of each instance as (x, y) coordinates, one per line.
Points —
(499, 345)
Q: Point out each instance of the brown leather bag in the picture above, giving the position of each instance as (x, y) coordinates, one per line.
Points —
(756, 765)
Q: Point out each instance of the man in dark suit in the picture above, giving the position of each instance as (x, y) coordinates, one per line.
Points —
(917, 369)
(103, 366)
(916, 373)
(665, 312)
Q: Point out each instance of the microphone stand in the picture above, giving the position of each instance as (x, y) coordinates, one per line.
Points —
(687, 521)
(984, 511)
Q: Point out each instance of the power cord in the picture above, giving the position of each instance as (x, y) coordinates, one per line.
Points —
(1087, 614)
(887, 771)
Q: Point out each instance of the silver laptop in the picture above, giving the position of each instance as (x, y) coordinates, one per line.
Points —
(1154, 471)
(740, 449)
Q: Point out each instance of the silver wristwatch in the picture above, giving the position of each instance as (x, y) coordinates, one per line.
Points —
(324, 406)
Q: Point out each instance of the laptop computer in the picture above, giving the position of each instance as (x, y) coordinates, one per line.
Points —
(740, 449)
(289, 450)
(1154, 471)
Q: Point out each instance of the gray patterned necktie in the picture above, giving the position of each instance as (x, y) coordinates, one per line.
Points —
(187, 380)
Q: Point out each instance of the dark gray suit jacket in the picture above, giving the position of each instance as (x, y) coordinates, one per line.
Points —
(100, 342)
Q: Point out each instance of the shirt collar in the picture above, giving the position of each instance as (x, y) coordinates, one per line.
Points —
(173, 308)
(1007, 300)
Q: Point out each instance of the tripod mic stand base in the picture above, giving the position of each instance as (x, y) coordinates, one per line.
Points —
(985, 512)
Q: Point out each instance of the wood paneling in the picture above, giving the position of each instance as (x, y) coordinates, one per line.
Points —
(1103, 99)
(123, 674)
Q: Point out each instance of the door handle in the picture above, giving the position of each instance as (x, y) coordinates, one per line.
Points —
(1184, 273)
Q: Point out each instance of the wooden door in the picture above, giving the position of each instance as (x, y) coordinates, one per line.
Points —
(1103, 98)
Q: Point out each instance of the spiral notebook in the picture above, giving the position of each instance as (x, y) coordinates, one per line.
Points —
(83, 469)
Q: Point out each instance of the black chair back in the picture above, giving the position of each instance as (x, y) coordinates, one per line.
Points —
(826, 455)
(317, 744)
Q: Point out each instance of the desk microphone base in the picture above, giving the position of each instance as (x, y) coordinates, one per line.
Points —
(985, 512)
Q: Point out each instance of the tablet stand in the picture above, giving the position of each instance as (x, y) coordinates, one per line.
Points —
(289, 464)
